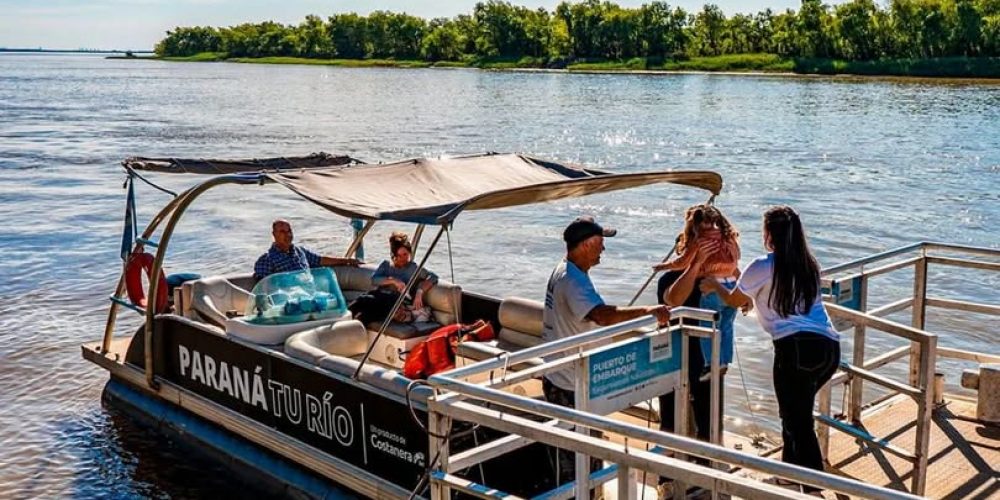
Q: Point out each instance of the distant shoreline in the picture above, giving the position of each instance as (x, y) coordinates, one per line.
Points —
(947, 69)
(74, 51)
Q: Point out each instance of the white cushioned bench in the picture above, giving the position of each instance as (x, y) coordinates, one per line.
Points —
(335, 347)
(520, 327)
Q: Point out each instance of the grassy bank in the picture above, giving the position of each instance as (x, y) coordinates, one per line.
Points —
(727, 63)
(945, 67)
(954, 67)
(199, 57)
(350, 63)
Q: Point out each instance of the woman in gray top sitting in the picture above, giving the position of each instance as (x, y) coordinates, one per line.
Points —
(390, 280)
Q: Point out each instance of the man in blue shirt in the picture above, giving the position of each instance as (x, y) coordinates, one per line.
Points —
(283, 256)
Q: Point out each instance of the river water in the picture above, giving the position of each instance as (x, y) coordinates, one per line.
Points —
(870, 165)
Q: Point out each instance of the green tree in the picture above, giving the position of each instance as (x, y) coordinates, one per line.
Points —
(182, 42)
(991, 36)
(761, 36)
(583, 23)
(349, 35)
(509, 31)
(618, 34)
(662, 29)
(813, 28)
(968, 32)
(855, 30)
(785, 34)
(394, 35)
(314, 38)
(736, 35)
(443, 42)
(707, 29)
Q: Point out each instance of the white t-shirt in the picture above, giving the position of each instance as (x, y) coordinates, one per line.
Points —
(569, 297)
(756, 283)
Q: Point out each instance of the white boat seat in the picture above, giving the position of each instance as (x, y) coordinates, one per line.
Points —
(478, 351)
(354, 281)
(275, 334)
(520, 327)
(333, 348)
(212, 297)
(520, 323)
(183, 294)
(384, 378)
(345, 338)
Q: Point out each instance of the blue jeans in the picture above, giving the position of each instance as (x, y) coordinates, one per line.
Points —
(727, 315)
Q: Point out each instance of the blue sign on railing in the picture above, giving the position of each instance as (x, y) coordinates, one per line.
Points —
(847, 293)
(625, 375)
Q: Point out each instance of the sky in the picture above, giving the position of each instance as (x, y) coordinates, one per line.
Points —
(139, 24)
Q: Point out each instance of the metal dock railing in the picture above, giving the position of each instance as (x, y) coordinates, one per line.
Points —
(848, 288)
(489, 405)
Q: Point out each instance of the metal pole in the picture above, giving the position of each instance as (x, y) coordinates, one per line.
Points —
(653, 274)
(183, 201)
(439, 425)
(358, 243)
(417, 233)
(399, 302)
(715, 427)
(858, 358)
(711, 451)
(626, 483)
(919, 308)
(582, 469)
(565, 344)
(823, 431)
(109, 327)
(682, 405)
(925, 407)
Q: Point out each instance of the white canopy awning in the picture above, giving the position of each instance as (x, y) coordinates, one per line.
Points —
(435, 191)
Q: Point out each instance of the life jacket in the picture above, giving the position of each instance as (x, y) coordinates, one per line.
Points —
(437, 352)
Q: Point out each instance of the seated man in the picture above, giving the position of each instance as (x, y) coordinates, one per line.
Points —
(283, 256)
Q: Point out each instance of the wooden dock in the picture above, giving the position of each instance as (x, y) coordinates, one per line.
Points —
(964, 458)
(964, 455)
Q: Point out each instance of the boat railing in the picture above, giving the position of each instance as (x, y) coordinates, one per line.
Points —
(847, 291)
(626, 446)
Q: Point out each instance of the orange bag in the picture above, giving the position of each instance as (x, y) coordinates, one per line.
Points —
(437, 353)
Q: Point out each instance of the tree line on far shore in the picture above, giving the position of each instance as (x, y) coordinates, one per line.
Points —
(859, 30)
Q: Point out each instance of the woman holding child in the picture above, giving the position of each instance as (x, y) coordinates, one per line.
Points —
(783, 286)
(706, 226)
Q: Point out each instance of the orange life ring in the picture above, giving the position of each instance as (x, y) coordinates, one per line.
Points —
(137, 264)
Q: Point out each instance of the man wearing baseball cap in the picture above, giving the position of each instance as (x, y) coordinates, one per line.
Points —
(573, 306)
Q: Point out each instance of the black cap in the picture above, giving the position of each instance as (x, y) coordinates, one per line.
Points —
(583, 228)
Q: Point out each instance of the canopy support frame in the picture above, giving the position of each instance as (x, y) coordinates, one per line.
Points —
(182, 203)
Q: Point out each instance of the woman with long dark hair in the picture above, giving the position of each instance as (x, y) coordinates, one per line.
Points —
(785, 290)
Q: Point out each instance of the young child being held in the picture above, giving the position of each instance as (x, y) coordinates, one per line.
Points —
(705, 225)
